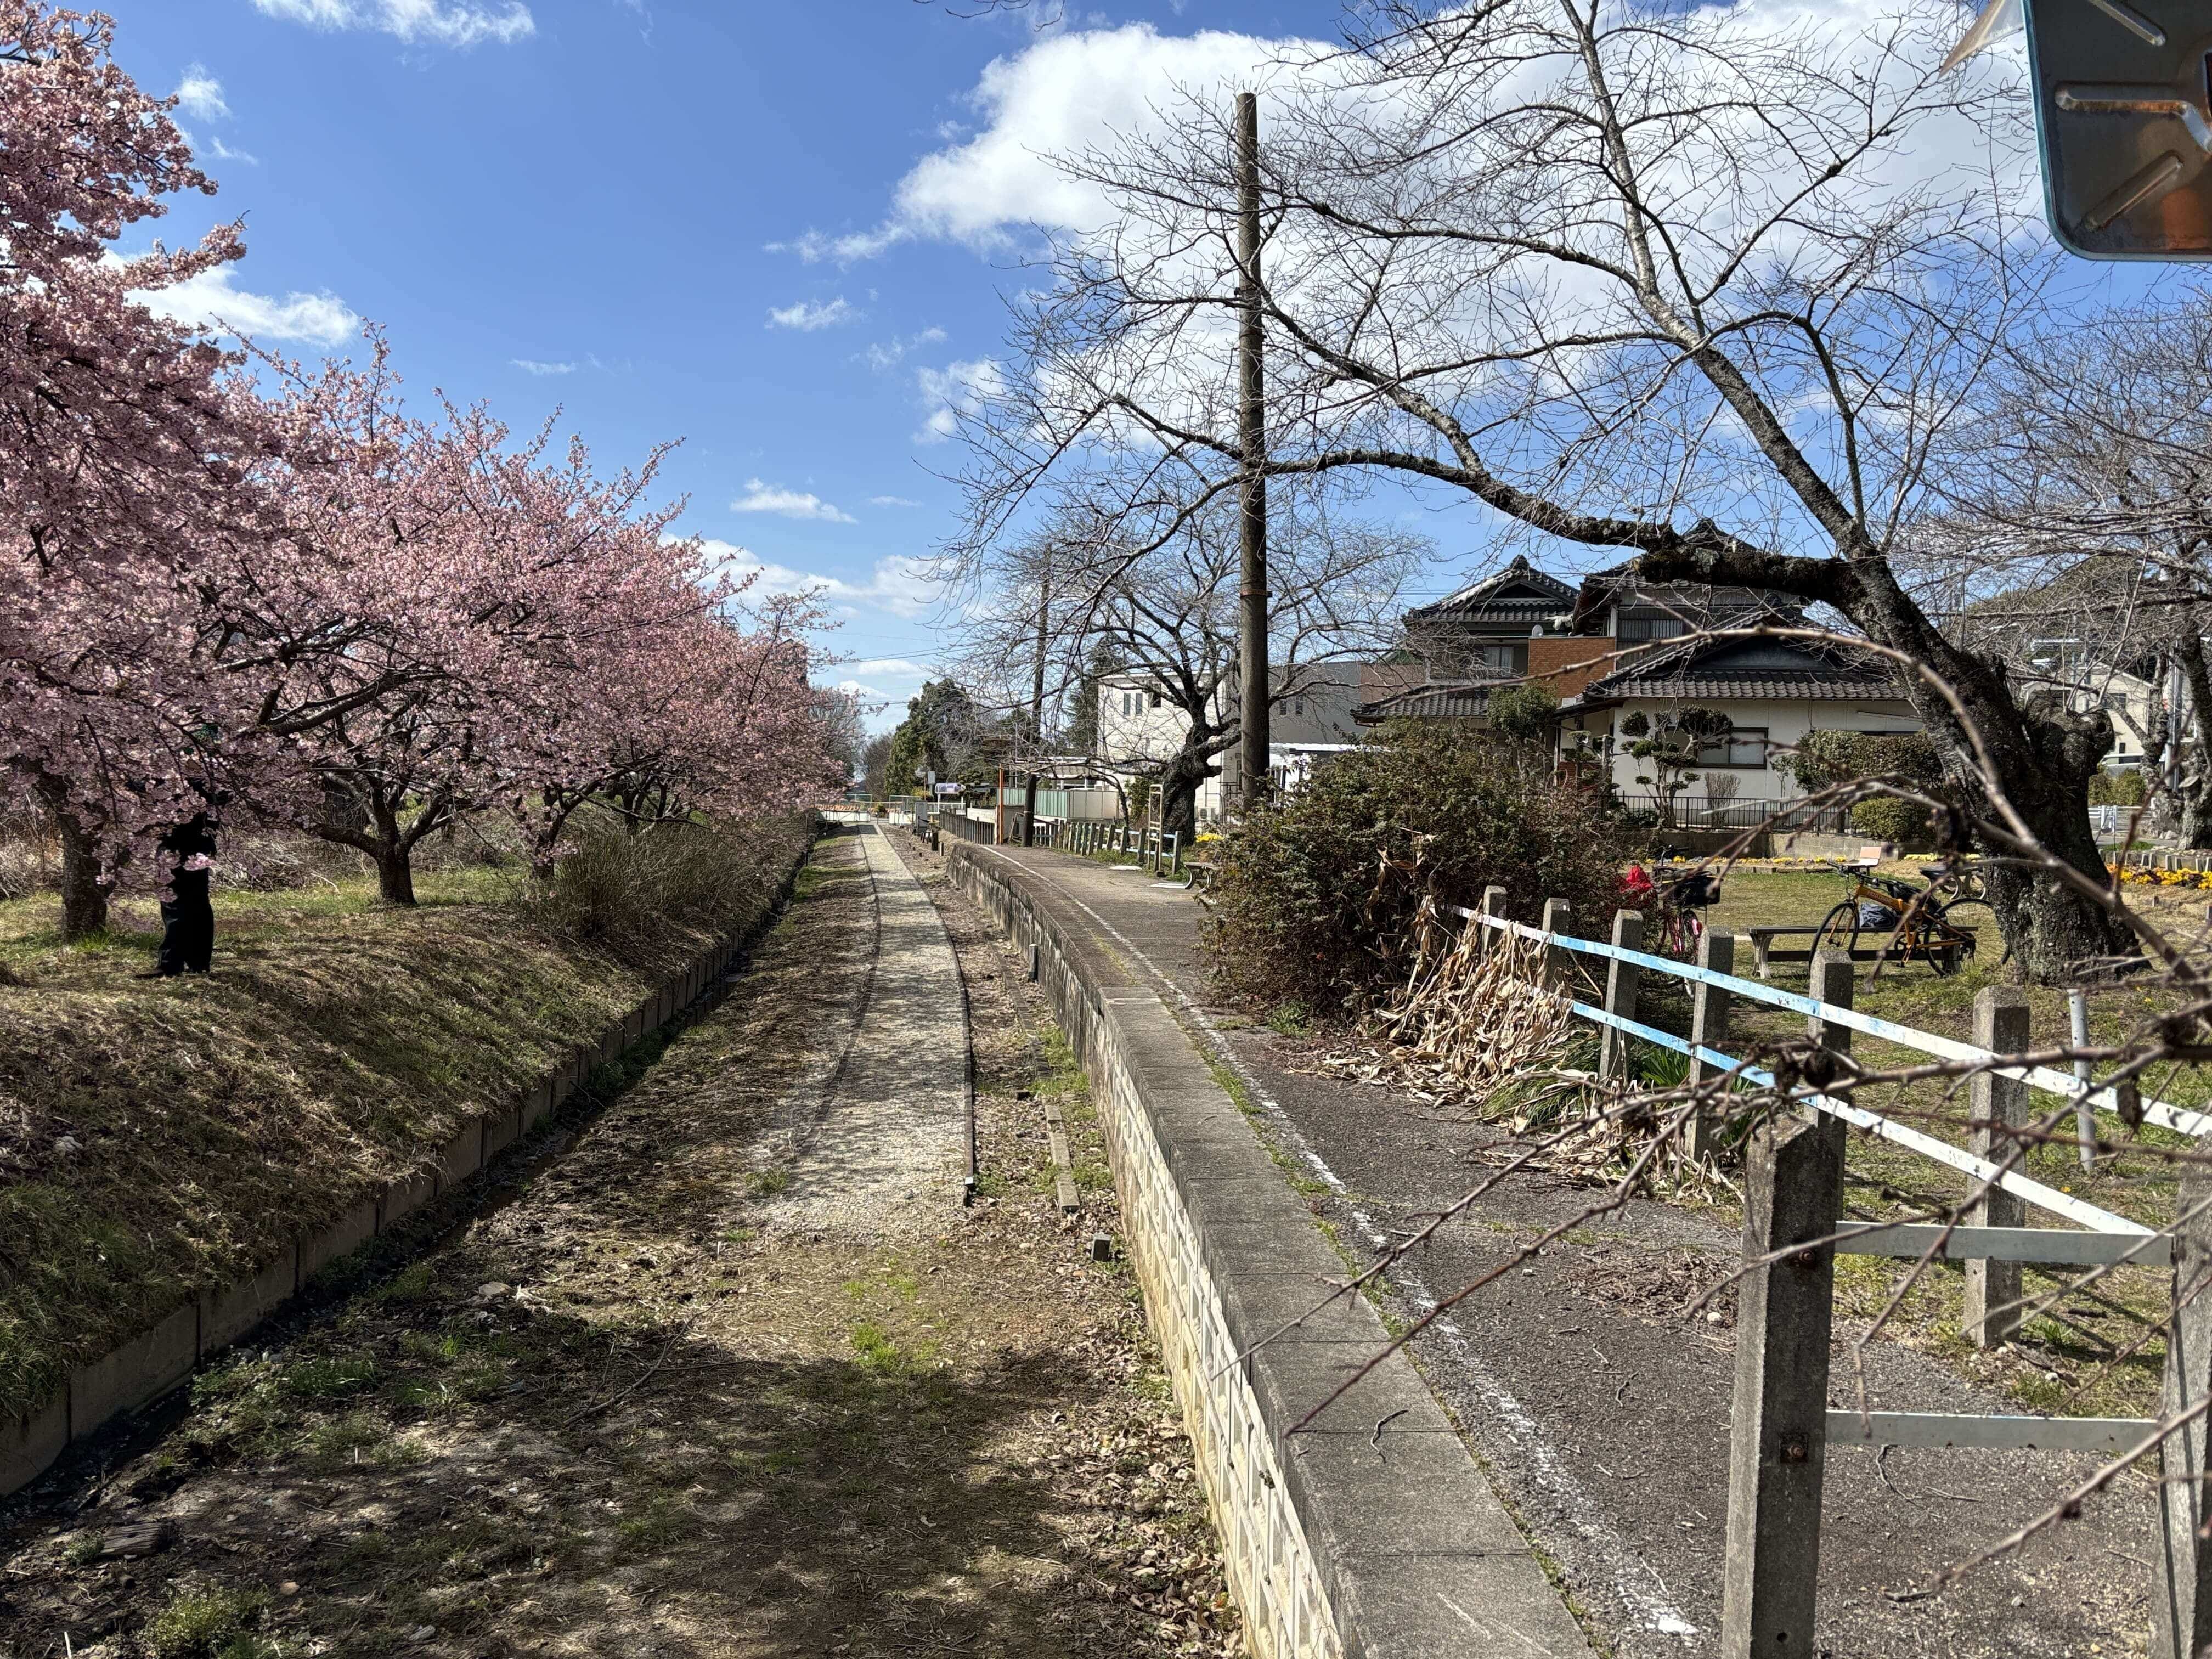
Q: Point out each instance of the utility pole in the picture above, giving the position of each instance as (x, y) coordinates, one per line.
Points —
(1252, 440)
(1036, 700)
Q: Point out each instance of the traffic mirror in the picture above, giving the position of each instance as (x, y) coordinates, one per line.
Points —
(2123, 113)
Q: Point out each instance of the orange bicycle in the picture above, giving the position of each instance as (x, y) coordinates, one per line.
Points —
(1917, 923)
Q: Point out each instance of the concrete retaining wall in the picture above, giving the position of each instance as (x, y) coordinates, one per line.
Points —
(1369, 1532)
(157, 1360)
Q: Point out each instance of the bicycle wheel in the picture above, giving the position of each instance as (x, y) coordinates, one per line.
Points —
(1840, 931)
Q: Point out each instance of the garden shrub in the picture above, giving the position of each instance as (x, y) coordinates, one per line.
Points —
(1315, 899)
(2114, 789)
(1887, 818)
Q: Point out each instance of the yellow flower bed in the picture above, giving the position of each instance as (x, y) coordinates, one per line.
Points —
(2199, 881)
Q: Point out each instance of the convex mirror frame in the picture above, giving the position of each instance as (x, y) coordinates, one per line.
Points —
(2124, 116)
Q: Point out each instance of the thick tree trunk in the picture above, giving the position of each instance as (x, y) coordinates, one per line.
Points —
(395, 875)
(2195, 770)
(2041, 756)
(84, 895)
(1183, 777)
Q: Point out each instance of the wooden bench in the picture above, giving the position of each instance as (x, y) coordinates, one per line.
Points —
(1762, 947)
(1201, 872)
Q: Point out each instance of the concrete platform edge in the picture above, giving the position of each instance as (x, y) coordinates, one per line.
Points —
(1401, 1549)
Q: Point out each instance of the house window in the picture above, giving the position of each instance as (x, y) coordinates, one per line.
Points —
(1500, 659)
(1636, 630)
(1128, 703)
(1297, 705)
(1746, 745)
(1156, 700)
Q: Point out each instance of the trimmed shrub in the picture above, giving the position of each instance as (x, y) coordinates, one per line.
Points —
(1315, 897)
(1887, 818)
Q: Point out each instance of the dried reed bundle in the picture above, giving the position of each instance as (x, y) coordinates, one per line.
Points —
(1469, 1022)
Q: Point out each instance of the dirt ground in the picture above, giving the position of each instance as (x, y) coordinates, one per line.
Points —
(608, 1409)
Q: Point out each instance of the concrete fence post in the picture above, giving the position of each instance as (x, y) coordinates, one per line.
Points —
(1493, 904)
(1558, 961)
(1831, 983)
(1777, 1433)
(1999, 1109)
(1620, 986)
(2181, 1597)
(1709, 1021)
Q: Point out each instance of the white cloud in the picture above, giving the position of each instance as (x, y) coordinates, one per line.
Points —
(957, 389)
(210, 300)
(900, 583)
(806, 316)
(437, 22)
(896, 667)
(813, 247)
(200, 94)
(224, 153)
(1067, 93)
(532, 366)
(892, 501)
(761, 497)
(890, 353)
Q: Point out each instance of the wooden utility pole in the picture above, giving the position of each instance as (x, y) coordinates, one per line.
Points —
(1252, 440)
(1036, 702)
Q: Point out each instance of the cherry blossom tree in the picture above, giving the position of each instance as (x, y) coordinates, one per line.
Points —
(121, 448)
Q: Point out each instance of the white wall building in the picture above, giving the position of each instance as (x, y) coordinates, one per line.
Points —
(1774, 692)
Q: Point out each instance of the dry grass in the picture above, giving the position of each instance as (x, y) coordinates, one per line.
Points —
(624, 1414)
(159, 1137)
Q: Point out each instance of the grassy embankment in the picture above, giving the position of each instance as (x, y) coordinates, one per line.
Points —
(159, 1137)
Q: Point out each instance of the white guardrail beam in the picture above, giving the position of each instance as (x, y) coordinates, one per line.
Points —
(2059, 1246)
(1908, 1430)
(1942, 1151)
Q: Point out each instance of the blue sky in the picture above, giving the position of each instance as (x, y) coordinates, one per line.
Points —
(778, 232)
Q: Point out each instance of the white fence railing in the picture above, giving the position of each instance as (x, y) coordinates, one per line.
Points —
(1780, 1422)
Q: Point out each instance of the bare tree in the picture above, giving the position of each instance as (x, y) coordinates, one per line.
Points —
(2092, 504)
(1654, 280)
(1154, 591)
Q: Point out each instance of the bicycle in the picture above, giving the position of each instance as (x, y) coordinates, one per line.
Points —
(1674, 905)
(1919, 927)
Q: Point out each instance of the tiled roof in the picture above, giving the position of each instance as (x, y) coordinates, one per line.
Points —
(1459, 700)
(1701, 690)
(1717, 669)
(1550, 595)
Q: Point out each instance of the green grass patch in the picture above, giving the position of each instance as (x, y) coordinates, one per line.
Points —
(213, 1622)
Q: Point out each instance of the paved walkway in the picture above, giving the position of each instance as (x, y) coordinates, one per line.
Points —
(1601, 1415)
(876, 1147)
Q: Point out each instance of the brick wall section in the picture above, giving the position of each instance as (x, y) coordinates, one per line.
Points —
(157, 1360)
(1568, 662)
(1371, 1533)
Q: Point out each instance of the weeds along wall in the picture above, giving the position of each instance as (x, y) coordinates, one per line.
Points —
(1122, 1035)
(148, 1366)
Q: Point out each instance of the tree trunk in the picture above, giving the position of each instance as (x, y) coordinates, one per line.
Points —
(2041, 756)
(1183, 777)
(84, 895)
(2161, 815)
(2194, 768)
(395, 875)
